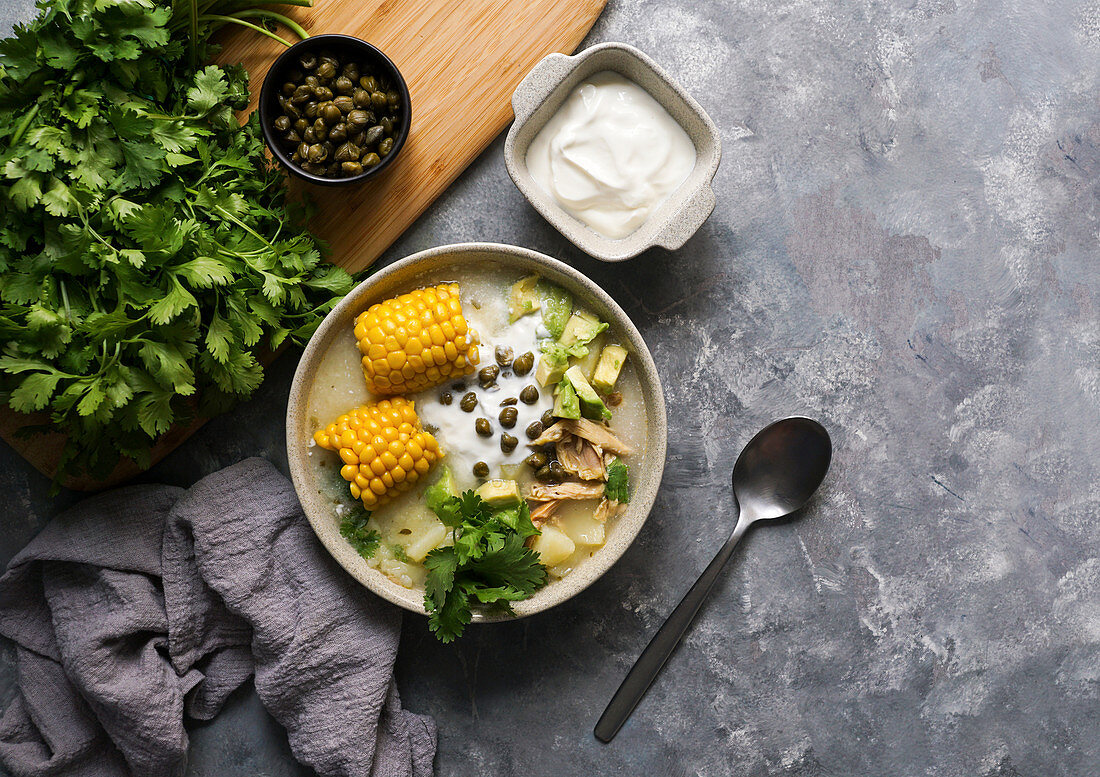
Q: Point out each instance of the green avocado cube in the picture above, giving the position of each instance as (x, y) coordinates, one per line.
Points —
(499, 494)
(581, 328)
(592, 406)
(524, 298)
(566, 403)
(612, 359)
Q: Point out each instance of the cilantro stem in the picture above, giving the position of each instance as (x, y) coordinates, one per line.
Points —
(23, 124)
(230, 217)
(256, 27)
(278, 17)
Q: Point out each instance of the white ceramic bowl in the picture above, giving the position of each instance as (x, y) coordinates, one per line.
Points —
(315, 496)
(538, 98)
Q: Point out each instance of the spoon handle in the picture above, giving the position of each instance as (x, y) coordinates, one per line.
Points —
(655, 655)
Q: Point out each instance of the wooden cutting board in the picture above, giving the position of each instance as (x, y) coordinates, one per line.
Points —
(462, 59)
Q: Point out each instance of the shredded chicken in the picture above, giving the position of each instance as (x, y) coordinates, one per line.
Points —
(607, 508)
(544, 512)
(578, 456)
(570, 489)
(600, 436)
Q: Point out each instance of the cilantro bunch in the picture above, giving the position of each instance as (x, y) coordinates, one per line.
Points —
(148, 253)
(487, 565)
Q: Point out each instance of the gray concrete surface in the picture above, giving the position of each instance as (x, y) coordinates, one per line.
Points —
(905, 246)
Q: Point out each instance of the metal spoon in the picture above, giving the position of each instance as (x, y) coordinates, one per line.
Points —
(776, 474)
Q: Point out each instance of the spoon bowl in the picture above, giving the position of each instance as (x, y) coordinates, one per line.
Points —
(781, 468)
(776, 474)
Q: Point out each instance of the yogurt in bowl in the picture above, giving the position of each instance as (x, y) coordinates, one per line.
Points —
(611, 155)
(577, 151)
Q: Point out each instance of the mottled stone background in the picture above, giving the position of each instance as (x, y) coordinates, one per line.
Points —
(905, 246)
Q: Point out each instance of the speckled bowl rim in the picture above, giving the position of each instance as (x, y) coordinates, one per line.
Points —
(547, 85)
(383, 283)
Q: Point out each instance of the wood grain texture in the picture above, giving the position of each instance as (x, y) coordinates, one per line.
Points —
(462, 60)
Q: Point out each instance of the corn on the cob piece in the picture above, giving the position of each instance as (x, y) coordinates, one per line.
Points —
(415, 341)
(383, 447)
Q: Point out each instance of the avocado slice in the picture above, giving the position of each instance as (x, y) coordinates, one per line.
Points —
(557, 304)
(591, 405)
(581, 328)
(612, 359)
(566, 403)
(499, 494)
(524, 298)
(551, 368)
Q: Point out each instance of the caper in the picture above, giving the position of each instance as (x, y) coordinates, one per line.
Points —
(547, 419)
(370, 83)
(351, 71)
(309, 136)
(322, 93)
(293, 138)
(313, 169)
(347, 153)
(330, 113)
(533, 430)
(468, 402)
(312, 109)
(288, 89)
(343, 85)
(529, 395)
(358, 119)
(338, 133)
(293, 111)
(508, 401)
(361, 98)
(523, 364)
(351, 168)
(488, 375)
(358, 138)
(370, 160)
(326, 56)
(556, 469)
(320, 126)
(317, 153)
(378, 100)
(481, 470)
(483, 427)
(385, 147)
(446, 398)
(508, 443)
(503, 355)
(325, 71)
(301, 94)
(303, 150)
(508, 417)
(311, 81)
(537, 460)
(392, 98)
(543, 472)
(344, 103)
(387, 124)
(374, 134)
(301, 125)
(307, 61)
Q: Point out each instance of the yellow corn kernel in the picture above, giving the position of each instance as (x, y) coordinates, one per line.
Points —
(382, 447)
(415, 341)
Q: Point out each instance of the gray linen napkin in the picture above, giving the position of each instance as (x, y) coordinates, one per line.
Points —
(141, 605)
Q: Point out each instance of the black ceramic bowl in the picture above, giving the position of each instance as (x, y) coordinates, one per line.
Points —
(343, 46)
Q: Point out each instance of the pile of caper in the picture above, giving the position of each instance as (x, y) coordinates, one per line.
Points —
(337, 119)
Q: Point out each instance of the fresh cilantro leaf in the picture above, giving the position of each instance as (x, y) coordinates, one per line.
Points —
(209, 90)
(365, 541)
(617, 487)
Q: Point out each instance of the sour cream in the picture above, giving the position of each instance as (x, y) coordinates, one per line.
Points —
(454, 428)
(611, 155)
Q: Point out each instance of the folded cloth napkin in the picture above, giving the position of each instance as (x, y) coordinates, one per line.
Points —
(142, 605)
